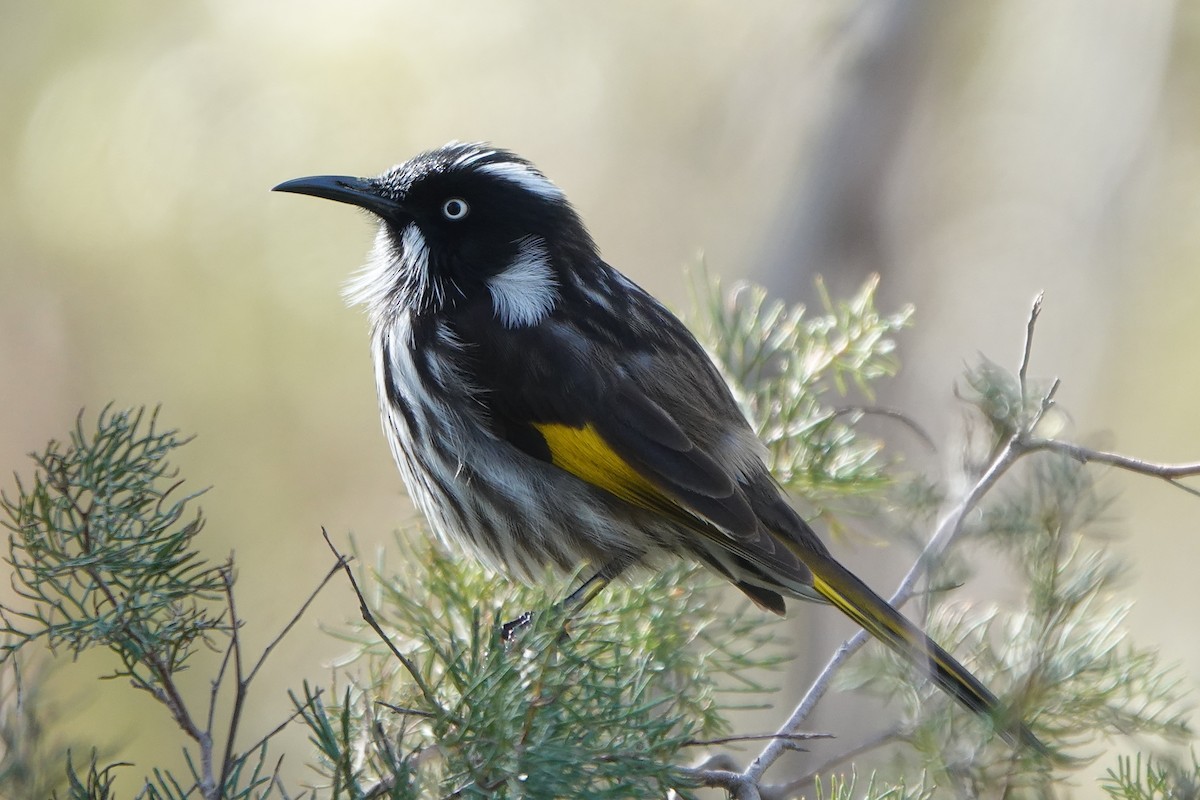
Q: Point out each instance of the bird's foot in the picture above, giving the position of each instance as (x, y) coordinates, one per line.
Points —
(509, 630)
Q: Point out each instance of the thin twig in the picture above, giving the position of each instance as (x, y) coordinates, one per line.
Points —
(412, 712)
(275, 776)
(244, 680)
(775, 748)
(756, 737)
(1043, 407)
(312, 596)
(890, 413)
(217, 682)
(278, 728)
(239, 692)
(1027, 350)
(951, 525)
(790, 788)
(1085, 455)
(343, 563)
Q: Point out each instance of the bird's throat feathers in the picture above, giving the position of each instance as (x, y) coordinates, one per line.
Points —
(396, 276)
(400, 276)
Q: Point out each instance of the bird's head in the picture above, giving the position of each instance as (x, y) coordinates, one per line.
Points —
(462, 223)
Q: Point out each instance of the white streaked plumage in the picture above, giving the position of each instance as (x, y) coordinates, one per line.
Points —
(525, 291)
(471, 156)
(391, 269)
(468, 454)
(525, 176)
(375, 278)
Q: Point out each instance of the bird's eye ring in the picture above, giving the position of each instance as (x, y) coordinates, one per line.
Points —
(455, 208)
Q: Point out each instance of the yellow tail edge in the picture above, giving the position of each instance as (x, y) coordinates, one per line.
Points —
(859, 602)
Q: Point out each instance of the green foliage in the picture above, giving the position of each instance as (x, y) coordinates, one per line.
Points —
(607, 710)
(1160, 779)
(31, 731)
(102, 551)
(789, 365)
(841, 787)
(614, 701)
(96, 783)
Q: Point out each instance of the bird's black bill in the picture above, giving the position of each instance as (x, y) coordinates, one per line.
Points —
(344, 189)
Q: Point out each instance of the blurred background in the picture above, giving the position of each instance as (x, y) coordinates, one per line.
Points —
(973, 154)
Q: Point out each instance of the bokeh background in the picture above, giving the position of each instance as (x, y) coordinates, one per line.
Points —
(972, 153)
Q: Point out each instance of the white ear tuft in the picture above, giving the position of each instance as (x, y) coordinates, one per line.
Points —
(525, 291)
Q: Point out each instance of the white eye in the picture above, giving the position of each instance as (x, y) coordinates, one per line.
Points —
(455, 208)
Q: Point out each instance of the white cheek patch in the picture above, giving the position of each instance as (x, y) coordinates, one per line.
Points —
(524, 176)
(525, 292)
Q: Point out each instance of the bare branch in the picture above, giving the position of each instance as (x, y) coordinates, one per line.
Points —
(217, 682)
(343, 563)
(239, 696)
(312, 596)
(738, 785)
(1086, 455)
(756, 737)
(278, 728)
(1022, 442)
(792, 788)
(243, 680)
(1027, 352)
(890, 413)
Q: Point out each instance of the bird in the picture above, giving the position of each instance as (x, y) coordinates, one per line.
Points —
(544, 409)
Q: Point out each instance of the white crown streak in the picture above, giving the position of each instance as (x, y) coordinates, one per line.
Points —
(472, 156)
(524, 176)
(525, 292)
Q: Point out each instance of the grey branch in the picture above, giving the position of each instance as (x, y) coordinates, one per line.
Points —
(1020, 443)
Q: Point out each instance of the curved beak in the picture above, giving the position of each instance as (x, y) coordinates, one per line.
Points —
(359, 192)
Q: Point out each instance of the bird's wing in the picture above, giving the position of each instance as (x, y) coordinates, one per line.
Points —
(633, 406)
(645, 418)
(600, 406)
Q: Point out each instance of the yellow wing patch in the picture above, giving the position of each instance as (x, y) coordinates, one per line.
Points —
(584, 453)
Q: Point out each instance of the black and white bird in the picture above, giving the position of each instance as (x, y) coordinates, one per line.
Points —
(544, 409)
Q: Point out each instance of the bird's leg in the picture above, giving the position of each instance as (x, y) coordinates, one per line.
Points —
(588, 590)
(574, 602)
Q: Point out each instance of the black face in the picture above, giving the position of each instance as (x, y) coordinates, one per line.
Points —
(472, 204)
(473, 220)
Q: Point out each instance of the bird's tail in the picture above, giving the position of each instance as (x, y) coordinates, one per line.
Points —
(843, 589)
